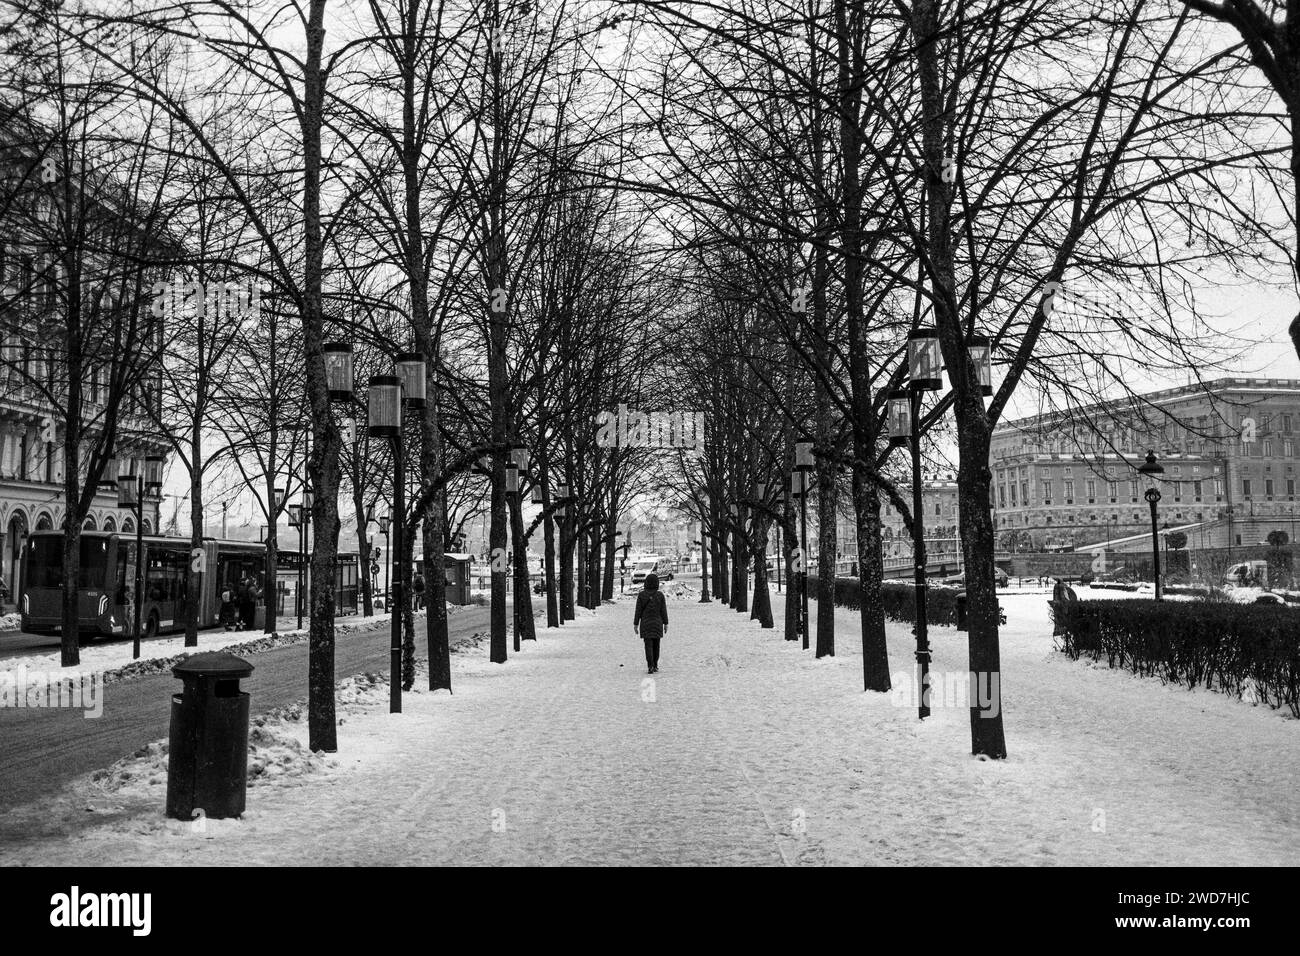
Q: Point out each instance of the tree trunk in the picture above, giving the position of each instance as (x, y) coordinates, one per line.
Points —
(607, 578)
(827, 497)
(363, 546)
(704, 566)
(974, 481)
(973, 430)
(497, 558)
(580, 583)
(194, 576)
(871, 572)
(566, 568)
(593, 574)
(323, 467)
(762, 606)
(789, 545)
(721, 585)
(548, 541)
(408, 612)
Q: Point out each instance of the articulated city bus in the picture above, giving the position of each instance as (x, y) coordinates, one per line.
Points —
(106, 581)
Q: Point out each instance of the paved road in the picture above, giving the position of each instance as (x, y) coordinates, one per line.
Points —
(42, 749)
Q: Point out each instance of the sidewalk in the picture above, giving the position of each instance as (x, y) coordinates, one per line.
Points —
(744, 749)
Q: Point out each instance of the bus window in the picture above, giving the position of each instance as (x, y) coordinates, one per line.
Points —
(125, 553)
(167, 570)
(45, 562)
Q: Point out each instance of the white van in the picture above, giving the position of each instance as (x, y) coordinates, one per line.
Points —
(1247, 573)
(659, 566)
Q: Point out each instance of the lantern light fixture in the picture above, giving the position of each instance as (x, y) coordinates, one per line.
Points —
(338, 371)
(127, 491)
(411, 372)
(977, 346)
(900, 417)
(1151, 468)
(384, 406)
(924, 360)
(153, 474)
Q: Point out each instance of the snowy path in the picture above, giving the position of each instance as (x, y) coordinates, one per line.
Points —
(744, 749)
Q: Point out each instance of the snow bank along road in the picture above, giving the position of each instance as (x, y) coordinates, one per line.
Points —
(41, 749)
(742, 749)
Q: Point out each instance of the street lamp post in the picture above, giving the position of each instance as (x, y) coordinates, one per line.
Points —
(924, 364)
(383, 528)
(384, 406)
(385, 399)
(131, 489)
(300, 518)
(1153, 470)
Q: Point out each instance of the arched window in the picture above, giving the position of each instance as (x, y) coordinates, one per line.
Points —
(44, 522)
(128, 524)
(89, 523)
(147, 525)
(110, 524)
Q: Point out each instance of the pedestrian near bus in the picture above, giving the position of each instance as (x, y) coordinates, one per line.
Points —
(650, 622)
(247, 604)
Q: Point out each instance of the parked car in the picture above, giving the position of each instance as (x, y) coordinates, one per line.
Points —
(1001, 578)
(1247, 573)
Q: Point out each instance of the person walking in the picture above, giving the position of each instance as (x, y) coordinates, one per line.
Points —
(418, 586)
(227, 617)
(247, 604)
(650, 622)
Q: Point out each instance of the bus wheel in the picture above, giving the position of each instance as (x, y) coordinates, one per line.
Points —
(151, 629)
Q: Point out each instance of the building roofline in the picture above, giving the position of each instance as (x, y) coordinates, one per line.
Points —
(1158, 397)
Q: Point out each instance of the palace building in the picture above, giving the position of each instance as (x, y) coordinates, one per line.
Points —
(1069, 480)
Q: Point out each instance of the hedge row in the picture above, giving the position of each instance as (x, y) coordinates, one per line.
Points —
(899, 600)
(1242, 649)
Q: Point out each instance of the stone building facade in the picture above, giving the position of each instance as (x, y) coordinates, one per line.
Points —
(33, 295)
(1228, 449)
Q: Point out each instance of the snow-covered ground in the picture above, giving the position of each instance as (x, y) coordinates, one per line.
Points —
(743, 749)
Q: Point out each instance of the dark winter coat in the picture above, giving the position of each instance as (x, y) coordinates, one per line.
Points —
(651, 614)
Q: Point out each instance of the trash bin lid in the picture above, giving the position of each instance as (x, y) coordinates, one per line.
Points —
(213, 664)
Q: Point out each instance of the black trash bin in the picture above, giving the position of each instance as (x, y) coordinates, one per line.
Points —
(961, 610)
(207, 760)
